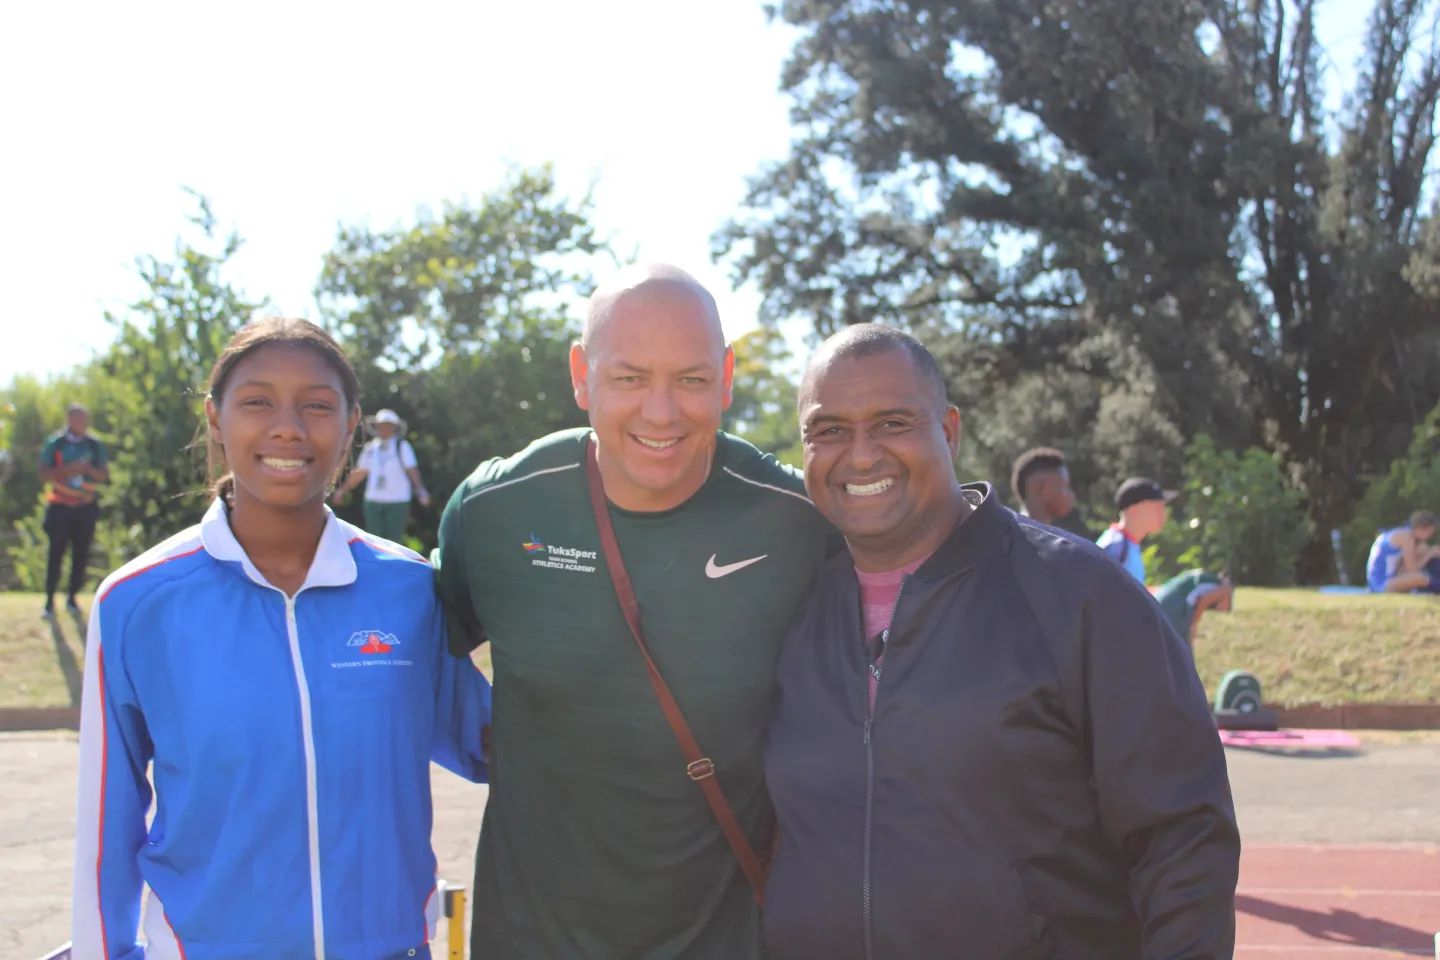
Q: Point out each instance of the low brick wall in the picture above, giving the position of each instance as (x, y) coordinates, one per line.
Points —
(39, 718)
(1361, 716)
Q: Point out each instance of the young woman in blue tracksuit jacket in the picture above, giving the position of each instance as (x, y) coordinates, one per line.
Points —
(283, 677)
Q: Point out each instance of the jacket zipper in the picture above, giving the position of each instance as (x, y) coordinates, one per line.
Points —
(870, 769)
(312, 805)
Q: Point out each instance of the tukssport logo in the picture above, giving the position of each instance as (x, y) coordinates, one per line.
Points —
(556, 557)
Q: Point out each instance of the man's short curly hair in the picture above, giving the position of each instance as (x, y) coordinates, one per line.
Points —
(1033, 461)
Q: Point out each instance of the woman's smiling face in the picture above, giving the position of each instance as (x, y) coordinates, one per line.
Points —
(285, 424)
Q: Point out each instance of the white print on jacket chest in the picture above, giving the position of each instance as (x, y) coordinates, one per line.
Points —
(551, 556)
(372, 648)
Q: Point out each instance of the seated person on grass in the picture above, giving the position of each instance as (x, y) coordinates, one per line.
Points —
(1185, 597)
(1403, 560)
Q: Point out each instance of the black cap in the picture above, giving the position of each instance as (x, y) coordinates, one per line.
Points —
(1138, 490)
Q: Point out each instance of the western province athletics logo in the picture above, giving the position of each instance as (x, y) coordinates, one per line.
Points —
(555, 557)
(372, 642)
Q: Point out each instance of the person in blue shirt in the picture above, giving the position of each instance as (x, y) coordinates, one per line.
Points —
(282, 678)
(1142, 506)
(1402, 559)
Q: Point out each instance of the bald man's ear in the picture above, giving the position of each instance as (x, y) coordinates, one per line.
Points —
(727, 377)
(951, 424)
(580, 376)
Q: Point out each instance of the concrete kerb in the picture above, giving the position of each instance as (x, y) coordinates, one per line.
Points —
(16, 719)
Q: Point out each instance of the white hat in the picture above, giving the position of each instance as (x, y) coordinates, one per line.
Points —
(387, 416)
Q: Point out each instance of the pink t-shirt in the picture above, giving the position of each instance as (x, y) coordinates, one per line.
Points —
(878, 595)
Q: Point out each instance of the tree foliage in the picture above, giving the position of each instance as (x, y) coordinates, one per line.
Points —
(1145, 212)
(763, 405)
(145, 394)
(477, 273)
(463, 323)
(1412, 483)
(151, 381)
(1238, 513)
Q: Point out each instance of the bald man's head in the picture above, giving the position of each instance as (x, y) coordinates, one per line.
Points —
(654, 284)
(654, 374)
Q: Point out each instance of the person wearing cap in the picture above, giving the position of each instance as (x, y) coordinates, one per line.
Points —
(1141, 502)
(74, 464)
(391, 474)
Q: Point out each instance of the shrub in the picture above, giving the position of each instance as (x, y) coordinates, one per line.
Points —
(1238, 513)
(113, 546)
(1412, 483)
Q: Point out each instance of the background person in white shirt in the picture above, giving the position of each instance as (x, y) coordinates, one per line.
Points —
(391, 474)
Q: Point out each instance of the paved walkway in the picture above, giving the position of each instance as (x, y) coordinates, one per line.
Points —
(1341, 859)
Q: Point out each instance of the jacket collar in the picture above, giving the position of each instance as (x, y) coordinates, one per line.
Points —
(974, 537)
(333, 566)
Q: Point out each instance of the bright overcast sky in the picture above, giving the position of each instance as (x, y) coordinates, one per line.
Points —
(293, 118)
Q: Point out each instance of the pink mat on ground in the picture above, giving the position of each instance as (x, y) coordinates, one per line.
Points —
(1289, 738)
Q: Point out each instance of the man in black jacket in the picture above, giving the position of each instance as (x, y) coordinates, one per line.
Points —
(988, 742)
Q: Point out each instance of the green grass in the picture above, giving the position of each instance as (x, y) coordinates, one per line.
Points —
(1304, 646)
(41, 662)
(1308, 647)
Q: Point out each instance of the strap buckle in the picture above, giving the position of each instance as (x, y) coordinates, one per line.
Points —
(700, 769)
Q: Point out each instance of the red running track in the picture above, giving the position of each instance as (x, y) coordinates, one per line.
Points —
(1303, 902)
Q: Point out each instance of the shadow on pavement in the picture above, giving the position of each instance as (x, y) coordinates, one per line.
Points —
(1337, 926)
(65, 657)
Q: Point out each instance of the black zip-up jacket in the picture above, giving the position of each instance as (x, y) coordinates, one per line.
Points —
(1041, 777)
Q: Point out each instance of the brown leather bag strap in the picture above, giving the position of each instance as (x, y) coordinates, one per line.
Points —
(698, 767)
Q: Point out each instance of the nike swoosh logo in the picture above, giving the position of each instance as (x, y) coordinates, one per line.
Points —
(715, 570)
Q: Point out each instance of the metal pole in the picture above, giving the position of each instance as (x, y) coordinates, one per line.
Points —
(455, 921)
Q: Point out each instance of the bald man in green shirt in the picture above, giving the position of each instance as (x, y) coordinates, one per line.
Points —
(596, 843)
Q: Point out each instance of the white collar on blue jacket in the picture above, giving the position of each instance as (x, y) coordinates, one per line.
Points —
(333, 566)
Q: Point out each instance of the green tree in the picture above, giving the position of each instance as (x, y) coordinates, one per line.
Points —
(478, 272)
(150, 383)
(1147, 204)
(1239, 513)
(145, 396)
(1412, 483)
(763, 406)
(463, 323)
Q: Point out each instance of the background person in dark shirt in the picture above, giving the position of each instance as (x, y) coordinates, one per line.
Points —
(1040, 480)
(74, 464)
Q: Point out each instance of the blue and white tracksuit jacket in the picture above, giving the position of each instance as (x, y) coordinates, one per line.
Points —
(289, 739)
